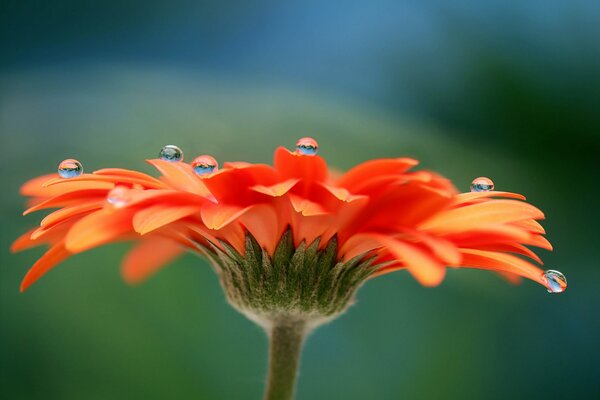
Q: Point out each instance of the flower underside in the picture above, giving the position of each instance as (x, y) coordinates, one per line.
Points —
(294, 236)
(295, 281)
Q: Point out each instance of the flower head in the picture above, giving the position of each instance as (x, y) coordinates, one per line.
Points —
(380, 216)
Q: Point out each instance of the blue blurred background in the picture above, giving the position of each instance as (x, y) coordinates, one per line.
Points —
(499, 88)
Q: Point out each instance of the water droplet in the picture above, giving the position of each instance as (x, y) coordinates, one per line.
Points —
(556, 282)
(204, 165)
(70, 168)
(118, 197)
(171, 153)
(307, 146)
(482, 184)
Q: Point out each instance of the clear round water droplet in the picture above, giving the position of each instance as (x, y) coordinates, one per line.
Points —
(171, 153)
(482, 184)
(203, 165)
(556, 282)
(118, 197)
(70, 168)
(307, 146)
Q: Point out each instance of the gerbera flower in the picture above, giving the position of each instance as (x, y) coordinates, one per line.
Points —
(291, 242)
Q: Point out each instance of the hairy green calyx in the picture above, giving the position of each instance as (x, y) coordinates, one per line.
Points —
(296, 283)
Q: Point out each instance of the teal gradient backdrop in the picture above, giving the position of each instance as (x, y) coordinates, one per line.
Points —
(111, 83)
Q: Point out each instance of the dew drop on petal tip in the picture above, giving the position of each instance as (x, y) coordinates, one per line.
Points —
(203, 165)
(118, 197)
(70, 168)
(171, 153)
(482, 184)
(555, 281)
(307, 146)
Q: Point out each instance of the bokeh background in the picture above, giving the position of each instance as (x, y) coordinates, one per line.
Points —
(506, 89)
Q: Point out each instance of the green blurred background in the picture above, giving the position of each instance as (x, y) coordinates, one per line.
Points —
(504, 89)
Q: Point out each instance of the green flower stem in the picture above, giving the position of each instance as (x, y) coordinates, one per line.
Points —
(285, 345)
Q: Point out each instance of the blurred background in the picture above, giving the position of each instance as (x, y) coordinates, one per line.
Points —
(498, 88)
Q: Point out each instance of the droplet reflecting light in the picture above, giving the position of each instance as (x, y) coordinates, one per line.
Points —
(307, 146)
(482, 184)
(118, 197)
(171, 153)
(70, 168)
(556, 282)
(203, 165)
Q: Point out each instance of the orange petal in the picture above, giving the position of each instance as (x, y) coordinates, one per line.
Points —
(306, 207)
(357, 245)
(489, 234)
(290, 165)
(217, 216)
(79, 196)
(538, 241)
(495, 261)
(148, 257)
(134, 176)
(442, 248)
(157, 216)
(467, 197)
(277, 190)
(98, 228)
(65, 213)
(34, 187)
(23, 242)
(102, 181)
(373, 169)
(45, 263)
(263, 223)
(427, 270)
(512, 248)
(475, 215)
(531, 225)
(181, 176)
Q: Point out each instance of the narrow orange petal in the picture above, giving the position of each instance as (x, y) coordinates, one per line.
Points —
(427, 270)
(181, 176)
(100, 181)
(147, 257)
(45, 263)
(501, 262)
(489, 234)
(135, 176)
(97, 228)
(35, 186)
(69, 198)
(467, 197)
(157, 216)
(373, 169)
(475, 215)
(512, 248)
(23, 242)
(444, 249)
(531, 225)
(65, 213)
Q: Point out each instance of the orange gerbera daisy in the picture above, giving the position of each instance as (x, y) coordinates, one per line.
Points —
(291, 242)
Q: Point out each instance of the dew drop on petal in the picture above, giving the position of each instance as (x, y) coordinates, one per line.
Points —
(203, 165)
(307, 146)
(556, 282)
(118, 197)
(70, 168)
(482, 184)
(171, 153)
